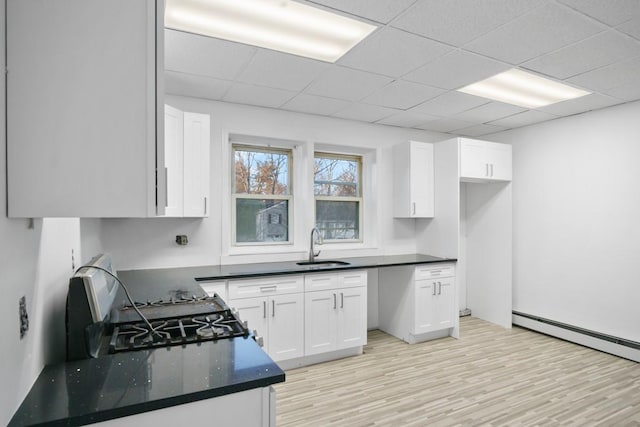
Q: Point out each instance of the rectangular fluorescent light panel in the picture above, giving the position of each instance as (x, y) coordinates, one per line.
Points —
(523, 89)
(282, 25)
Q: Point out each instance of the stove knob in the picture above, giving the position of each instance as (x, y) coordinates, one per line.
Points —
(258, 338)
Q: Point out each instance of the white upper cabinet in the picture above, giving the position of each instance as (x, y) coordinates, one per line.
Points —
(413, 180)
(484, 161)
(83, 110)
(186, 163)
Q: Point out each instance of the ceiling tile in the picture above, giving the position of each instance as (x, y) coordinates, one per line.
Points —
(313, 104)
(195, 86)
(375, 10)
(345, 83)
(458, 21)
(489, 112)
(241, 93)
(456, 69)
(365, 112)
(595, 52)
(609, 77)
(402, 95)
(479, 130)
(393, 52)
(449, 103)
(523, 119)
(206, 56)
(445, 125)
(609, 12)
(538, 32)
(580, 105)
(407, 119)
(281, 70)
(628, 92)
(631, 27)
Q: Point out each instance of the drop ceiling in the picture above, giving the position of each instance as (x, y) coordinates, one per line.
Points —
(406, 73)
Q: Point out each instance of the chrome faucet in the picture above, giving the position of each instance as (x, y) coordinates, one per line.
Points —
(312, 252)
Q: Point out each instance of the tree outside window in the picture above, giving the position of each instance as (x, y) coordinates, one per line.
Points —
(338, 196)
(261, 194)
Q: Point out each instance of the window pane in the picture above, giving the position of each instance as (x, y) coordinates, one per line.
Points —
(261, 172)
(338, 220)
(336, 176)
(262, 220)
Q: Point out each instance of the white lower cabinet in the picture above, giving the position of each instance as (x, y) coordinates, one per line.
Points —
(277, 314)
(299, 316)
(335, 318)
(417, 301)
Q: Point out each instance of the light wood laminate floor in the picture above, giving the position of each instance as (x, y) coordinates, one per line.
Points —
(491, 376)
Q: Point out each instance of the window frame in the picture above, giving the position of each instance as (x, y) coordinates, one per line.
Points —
(247, 196)
(359, 189)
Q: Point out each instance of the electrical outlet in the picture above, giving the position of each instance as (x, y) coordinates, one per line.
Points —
(182, 239)
(24, 317)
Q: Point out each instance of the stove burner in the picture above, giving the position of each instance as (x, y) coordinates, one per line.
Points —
(169, 332)
(171, 301)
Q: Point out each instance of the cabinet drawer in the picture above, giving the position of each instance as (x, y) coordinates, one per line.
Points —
(433, 271)
(265, 286)
(320, 282)
(353, 279)
(211, 288)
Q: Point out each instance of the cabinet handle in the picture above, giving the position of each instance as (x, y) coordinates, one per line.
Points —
(491, 169)
(273, 308)
(439, 288)
(264, 309)
(334, 302)
(413, 208)
(341, 300)
(166, 186)
(205, 205)
(486, 169)
(270, 288)
(434, 288)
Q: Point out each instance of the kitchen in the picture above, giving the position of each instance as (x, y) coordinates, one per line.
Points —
(566, 211)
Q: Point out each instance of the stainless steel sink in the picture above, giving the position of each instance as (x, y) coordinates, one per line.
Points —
(323, 263)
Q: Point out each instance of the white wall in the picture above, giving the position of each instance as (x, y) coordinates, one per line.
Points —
(150, 243)
(576, 220)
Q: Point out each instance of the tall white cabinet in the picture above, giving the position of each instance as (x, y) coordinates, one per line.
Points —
(473, 223)
(83, 107)
(413, 180)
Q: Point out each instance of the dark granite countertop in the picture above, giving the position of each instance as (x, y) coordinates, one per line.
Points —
(87, 391)
(112, 386)
(183, 279)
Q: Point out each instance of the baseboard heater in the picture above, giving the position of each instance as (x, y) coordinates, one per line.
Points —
(608, 343)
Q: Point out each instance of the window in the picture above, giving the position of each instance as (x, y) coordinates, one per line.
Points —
(337, 181)
(261, 195)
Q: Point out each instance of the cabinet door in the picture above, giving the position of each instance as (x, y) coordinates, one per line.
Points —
(196, 164)
(425, 291)
(286, 326)
(320, 321)
(173, 161)
(254, 311)
(444, 309)
(421, 180)
(499, 159)
(81, 107)
(473, 162)
(352, 317)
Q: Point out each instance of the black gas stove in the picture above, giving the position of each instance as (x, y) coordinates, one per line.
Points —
(174, 322)
(97, 325)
